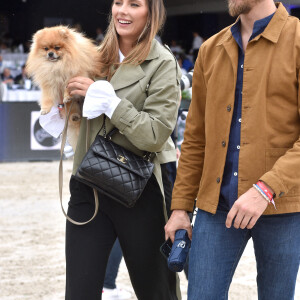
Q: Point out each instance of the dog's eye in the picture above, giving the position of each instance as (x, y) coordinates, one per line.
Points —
(46, 49)
(57, 48)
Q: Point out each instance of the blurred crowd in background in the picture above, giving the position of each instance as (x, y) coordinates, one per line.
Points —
(13, 55)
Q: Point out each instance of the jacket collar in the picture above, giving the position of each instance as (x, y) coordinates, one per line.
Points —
(272, 31)
(154, 50)
(129, 74)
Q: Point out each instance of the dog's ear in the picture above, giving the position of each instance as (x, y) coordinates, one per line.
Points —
(37, 34)
(64, 33)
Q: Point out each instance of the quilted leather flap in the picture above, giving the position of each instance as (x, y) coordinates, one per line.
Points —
(122, 157)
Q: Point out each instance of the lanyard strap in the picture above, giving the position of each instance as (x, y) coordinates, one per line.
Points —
(60, 172)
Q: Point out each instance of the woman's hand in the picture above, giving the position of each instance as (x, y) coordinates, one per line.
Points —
(79, 85)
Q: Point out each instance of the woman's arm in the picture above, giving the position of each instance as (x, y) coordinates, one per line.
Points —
(149, 129)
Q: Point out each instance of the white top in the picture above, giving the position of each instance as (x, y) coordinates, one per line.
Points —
(197, 42)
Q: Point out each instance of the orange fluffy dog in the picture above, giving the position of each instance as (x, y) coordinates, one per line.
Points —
(58, 54)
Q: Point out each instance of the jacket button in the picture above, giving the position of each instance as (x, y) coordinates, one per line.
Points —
(218, 180)
(229, 108)
(223, 143)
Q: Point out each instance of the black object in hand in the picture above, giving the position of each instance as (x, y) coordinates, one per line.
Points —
(166, 247)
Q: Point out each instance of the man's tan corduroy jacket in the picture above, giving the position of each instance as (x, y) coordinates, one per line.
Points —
(270, 145)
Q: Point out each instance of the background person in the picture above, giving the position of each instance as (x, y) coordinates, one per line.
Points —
(197, 42)
(99, 35)
(110, 290)
(240, 153)
(2, 88)
(23, 79)
(6, 77)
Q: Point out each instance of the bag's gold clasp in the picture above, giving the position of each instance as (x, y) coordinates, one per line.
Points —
(122, 159)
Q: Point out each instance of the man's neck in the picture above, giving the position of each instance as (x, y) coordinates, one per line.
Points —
(259, 11)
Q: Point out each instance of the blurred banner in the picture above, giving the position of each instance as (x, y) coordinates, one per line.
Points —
(39, 138)
(21, 137)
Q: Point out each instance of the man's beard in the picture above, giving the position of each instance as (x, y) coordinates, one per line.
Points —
(241, 8)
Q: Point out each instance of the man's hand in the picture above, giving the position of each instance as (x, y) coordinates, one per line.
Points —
(246, 210)
(178, 220)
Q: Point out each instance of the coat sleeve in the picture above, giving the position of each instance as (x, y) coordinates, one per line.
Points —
(193, 148)
(285, 173)
(150, 128)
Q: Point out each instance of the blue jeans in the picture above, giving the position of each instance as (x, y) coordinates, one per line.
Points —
(112, 267)
(216, 251)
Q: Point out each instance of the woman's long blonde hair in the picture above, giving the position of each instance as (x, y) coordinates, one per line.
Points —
(109, 48)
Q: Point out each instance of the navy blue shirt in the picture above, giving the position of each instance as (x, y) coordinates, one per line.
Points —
(229, 188)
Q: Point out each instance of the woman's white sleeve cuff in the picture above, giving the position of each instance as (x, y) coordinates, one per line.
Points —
(99, 97)
(52, 122)
(114, 102)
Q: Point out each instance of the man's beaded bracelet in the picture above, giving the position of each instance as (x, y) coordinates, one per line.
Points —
(270, 201)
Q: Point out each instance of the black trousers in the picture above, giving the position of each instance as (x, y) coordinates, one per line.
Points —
(140, 231)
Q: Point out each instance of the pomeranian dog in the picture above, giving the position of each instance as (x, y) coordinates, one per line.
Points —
(58, 54)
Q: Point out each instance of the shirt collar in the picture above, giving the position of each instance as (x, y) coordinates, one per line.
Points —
(154, 52)
(121, 56)
(271, 32)
(258, 27)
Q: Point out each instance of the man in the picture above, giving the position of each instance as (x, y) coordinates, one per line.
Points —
(23, 79)
(1, 90)
(197, 42)
(241, 152)
(6, 77)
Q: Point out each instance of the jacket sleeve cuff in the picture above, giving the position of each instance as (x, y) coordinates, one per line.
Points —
(123, 114)
(275, 183)
(182, 204)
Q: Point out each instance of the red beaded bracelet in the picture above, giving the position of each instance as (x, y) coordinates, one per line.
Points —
(61, 106)
(265, 190)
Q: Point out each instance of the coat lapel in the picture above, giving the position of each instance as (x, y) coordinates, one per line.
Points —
(126, 75)
(231, 49)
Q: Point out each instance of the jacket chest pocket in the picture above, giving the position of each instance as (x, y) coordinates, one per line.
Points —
(272, 155)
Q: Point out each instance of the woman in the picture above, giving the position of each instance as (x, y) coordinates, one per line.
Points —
(140, 97)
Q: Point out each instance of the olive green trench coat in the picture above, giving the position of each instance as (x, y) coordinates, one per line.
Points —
(147, 113)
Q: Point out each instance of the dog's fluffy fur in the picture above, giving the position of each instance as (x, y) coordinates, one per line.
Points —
(58, 54)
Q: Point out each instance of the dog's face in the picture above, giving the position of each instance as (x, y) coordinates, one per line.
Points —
(52, 43)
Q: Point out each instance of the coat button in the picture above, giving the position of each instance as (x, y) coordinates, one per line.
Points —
(223, 143)
(229, 108)
(218, 180)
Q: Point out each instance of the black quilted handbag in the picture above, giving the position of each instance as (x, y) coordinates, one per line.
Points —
(115, 171)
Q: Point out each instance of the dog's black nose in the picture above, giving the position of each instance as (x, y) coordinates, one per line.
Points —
(50, 54)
